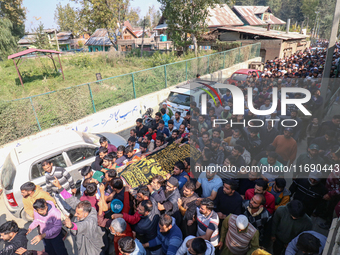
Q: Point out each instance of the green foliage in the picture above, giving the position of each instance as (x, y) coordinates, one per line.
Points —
(16, 13)
(83, 61)
(41, 39)
(67, 19)
(7, 40)
(159, 59)
(185, 18)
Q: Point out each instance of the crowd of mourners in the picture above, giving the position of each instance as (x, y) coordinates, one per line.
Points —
(201, 212)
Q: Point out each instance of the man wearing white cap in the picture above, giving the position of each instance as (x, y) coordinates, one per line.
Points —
(238, 237)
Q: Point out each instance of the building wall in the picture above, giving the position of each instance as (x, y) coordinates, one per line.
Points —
(270, 48)
(230, 36)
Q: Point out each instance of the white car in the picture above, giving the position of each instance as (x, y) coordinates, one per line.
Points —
(180, 97)
(71, 150)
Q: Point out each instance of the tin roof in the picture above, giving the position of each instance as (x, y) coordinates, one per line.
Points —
(251, 15)
(222, 15)
(27, 39)
(264, 32)
(99, 37)
(29, 51)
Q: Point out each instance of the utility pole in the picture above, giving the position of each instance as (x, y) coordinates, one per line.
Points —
(329, 55)
(141, 52)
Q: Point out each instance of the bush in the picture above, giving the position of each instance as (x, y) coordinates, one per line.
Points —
(159, 59)
(82, 60)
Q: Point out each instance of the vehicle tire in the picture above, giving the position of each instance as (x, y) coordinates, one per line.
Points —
(25, 216)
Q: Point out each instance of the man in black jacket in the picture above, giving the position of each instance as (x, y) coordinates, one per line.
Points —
(14, 237)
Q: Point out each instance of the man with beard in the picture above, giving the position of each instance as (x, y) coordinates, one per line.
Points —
(88, 242)
(253, 141)
(210, 183)
(48, 218)
(169, 236)
(261, 188)
(204, 141)
(177, 120)
(173, 137)
(297, 128)
(329, 125)
(280, 192)
(30, 193)
(271, 168)
(228, 200)
(258, 216)
(141, 130)
(108, 162)
(187, 207)
(179, 174)
(237, 152)
(286, 146)
(207, 222)
(170, 206)
(148, 140)
(231, 140)
(97, 164)
(310, 192)
(218, 154)
(307, 159)
(15, 238)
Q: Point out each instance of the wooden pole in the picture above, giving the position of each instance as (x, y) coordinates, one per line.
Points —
(53, 63)
(61, 66)
(141, 52)
(22, 84)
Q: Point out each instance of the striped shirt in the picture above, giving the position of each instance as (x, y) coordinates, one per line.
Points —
(64, 178)
(209, 222)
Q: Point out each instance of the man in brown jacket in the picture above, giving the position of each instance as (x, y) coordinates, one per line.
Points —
(31, 192)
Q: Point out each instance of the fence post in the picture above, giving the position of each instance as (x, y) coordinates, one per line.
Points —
(166, 82)
(224, 60)
(91, 95)
(35, 114)
(133, 84)
(186, 70)
(208, 65)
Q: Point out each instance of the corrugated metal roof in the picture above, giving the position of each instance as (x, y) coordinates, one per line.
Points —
(99, 37)
(138, 33)
(249, 14)
(161, 26)
(27, 39)
(29, 51)
(222, 15)
(263, 32)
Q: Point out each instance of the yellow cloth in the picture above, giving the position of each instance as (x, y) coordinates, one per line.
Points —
(260, 252)
(160, 163)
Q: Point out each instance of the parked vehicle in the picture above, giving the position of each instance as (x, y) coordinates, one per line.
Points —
(147, 117)
(71, 150)
(179, 98)
(241, 75)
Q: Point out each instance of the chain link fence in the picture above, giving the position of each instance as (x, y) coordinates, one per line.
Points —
(26, 116)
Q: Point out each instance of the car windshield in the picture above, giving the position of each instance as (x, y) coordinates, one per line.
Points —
(181, 99)
(239, 77)
(8, 174)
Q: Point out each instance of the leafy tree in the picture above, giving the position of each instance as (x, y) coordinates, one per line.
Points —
(41, 39)
(16, 13)
(186, 18)
(7, 40)
(108, 14)
(66, 18)
(153, 15)
(133, 16)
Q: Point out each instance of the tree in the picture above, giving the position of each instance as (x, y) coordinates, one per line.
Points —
(186, 19)
(7, 40)
(108, 14)
(41, 40)
(133, 16)
(67, 19)
(153, 15)
(16, 14)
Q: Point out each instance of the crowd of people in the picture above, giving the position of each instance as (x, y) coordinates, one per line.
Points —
(201, 212)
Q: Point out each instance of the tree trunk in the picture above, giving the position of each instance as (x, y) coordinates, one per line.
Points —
(185, 43)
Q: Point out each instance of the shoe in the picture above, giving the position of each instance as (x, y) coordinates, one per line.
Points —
(324, 225)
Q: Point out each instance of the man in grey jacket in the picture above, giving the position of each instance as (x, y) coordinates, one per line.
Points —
(88, 234)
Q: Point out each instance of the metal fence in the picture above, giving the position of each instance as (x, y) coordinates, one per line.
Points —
(26, 116)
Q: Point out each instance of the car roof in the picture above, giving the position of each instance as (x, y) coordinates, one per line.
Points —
(45, 144)
(192, 87)
(245, 71)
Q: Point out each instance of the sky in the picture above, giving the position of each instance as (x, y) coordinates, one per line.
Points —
(43, 10)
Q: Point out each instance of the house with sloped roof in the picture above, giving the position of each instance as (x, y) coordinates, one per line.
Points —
(257, 16)
(100, 41)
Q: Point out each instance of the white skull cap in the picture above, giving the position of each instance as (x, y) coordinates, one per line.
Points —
(242, 222)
